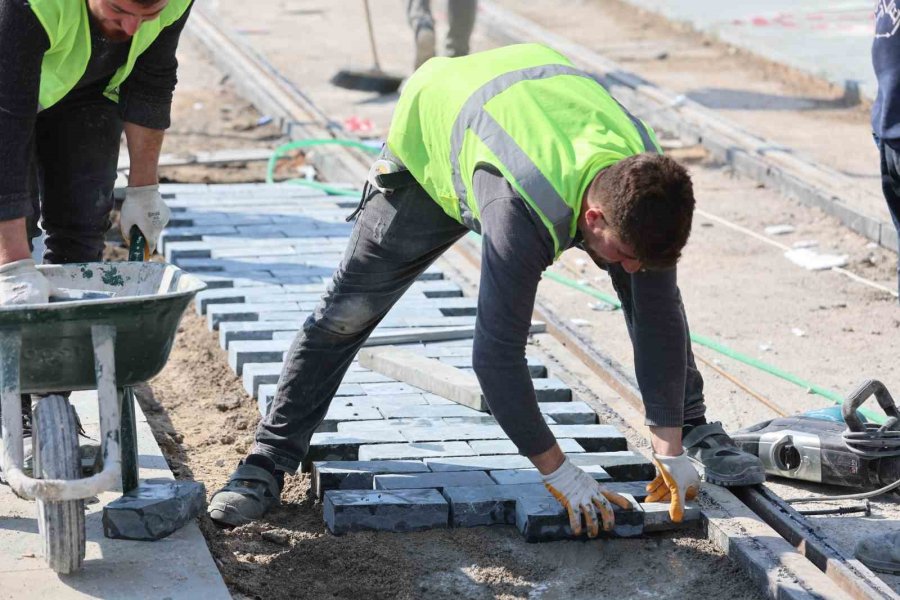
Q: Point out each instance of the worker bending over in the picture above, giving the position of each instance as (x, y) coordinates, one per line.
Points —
(73, 75)
(533, 154)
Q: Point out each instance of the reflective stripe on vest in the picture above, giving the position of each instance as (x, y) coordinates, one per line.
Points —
(473, 117)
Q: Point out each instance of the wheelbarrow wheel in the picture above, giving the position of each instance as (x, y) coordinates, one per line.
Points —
(61, 524)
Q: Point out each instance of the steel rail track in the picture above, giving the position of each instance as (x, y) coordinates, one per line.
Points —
(781, 551)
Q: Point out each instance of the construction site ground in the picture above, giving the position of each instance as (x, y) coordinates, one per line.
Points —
(822, 326)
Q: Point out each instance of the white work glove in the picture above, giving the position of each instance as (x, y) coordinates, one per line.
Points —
(676, 481)
(582, 496)
(145, 208)
(22, 283)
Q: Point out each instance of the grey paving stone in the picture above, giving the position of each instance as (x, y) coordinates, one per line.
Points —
(233, 296)
(254, 330)
(396, 510)
(488, 505)
(344, 446)
(656, 516)
(424, 450)
(256, 374)
(430, 411)
(449, 433)
(365, 377)
(507, 447)
(357, 475)
(477, 463)
(385, 402)
(594, 438)
(569, 413)
(526, 476)
(622, 466)
(393, 388)
(220, 313)
(438, 481)
(545, 520)
(264, 398)
(213, 281)
(240, 353)
(535, 368)
(482, 420)
(350, 426)
(156, 509)
(551, 389)
(350, 416)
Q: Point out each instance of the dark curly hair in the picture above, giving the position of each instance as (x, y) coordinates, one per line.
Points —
(648, 200)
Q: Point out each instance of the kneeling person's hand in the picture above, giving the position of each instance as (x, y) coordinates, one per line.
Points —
(676, 481)
(583, 496)
(22, 283)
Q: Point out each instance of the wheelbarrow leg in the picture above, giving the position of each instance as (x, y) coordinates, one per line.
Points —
(128, 430)
(11, 400)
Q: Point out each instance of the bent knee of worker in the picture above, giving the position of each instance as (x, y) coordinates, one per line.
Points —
(346, 316)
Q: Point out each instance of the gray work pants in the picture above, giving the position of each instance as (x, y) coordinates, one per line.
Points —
(460, 17)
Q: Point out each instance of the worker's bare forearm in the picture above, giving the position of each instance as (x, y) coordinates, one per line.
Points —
(549, 461)
(666, 440)
(144, 147)
(13, 241)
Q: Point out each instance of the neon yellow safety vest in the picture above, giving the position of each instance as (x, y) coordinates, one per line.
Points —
(548, 127)
(68, 27)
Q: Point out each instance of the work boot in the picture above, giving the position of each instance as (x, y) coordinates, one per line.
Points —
(717, 458)
(880, 552)
(425, 44)
(254, 488)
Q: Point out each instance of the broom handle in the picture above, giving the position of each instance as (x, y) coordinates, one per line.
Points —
(371, 35)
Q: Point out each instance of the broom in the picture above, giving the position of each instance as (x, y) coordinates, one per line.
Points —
(373, 80)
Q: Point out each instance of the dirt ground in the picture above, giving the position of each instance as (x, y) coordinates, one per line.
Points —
(737, 290)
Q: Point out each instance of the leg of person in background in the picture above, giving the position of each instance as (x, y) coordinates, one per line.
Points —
(461, 17)
(418, 14)
(890, 185)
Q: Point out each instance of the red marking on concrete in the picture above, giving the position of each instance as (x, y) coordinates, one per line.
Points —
(760, 21)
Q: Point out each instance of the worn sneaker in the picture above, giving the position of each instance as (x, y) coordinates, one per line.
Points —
(249, 494)
(717, 458)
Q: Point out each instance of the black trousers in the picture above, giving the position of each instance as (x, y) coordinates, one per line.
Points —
(75, 150)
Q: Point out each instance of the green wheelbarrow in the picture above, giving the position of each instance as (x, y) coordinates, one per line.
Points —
(119, 336)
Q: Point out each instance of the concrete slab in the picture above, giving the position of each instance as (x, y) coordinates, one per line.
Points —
(178, 567)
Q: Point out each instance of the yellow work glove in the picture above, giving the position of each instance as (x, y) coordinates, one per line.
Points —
(582, 496)
(676, 481)
(144, 207)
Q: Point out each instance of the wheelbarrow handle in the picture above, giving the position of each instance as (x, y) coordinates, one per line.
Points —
(138, 250)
